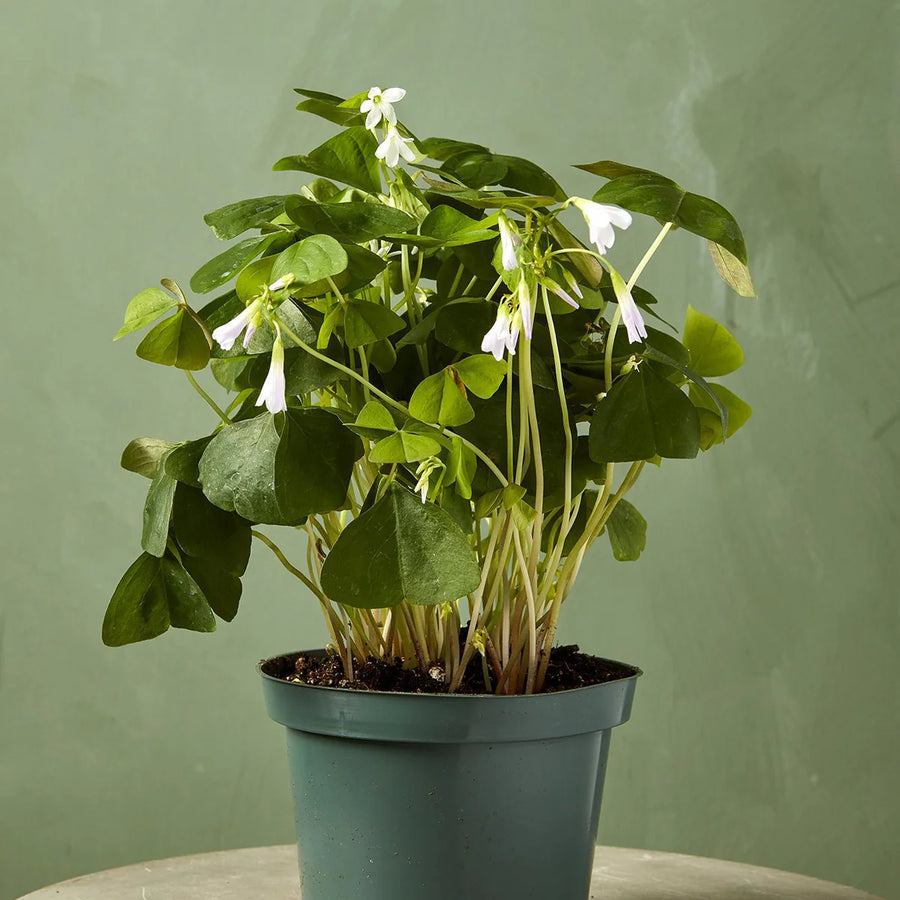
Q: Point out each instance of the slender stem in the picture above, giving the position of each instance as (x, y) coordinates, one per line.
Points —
(215, 406)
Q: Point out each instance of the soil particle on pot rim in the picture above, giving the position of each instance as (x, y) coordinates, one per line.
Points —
(568, 668)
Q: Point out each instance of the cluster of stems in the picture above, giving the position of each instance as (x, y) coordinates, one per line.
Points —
(528, 567)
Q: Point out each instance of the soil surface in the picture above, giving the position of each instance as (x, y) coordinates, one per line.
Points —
(568, 668)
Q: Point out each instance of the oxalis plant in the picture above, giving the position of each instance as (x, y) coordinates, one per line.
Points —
(427, 373)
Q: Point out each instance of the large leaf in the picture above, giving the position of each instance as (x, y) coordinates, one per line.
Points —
(481, 374)
(400, 549)
(441, 398)
(351, 222)
(643, 416)
(207, 532)
(652, 194)
(462, 325)
(221, 589)
(154, 593)
(731, 270)
(145, 308)
(627, 531)
(223, 267)
(366, 322)
(229, 221)
(280, 469)
(713, 349)
(348, 157)
(310, 260)
(177, 341)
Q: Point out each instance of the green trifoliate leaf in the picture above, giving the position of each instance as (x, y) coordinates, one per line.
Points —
(348, 157)
(209, 533)
(154, 593)
(652, 194)
(280, 469)
(310, 260)
(404, 446)
(348, 222)
(642, 416)
(400, 549)
(177, 341)
(713, 349)
(158, 512)
(145, 308)
(737, 410)
(481, 374)
(445, 226)
(441, 398)
(223, 267)
(142, 455)
(374, 421)
(365, 323)
(461, 465)
(627, 530)
(229, 221)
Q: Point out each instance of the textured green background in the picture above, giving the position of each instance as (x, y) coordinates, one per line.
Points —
(765, 611)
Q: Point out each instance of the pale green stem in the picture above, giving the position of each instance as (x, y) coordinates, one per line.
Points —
(212, 403)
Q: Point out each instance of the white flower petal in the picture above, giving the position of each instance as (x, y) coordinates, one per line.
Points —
(604, 238)
(225, 335)
(366, 105)
(248, 334)
(393, 95)
(373, 118)
(388, 112)
(272, 391)
(619, 217)
(565, 297)
(374, 92)
(406, 151)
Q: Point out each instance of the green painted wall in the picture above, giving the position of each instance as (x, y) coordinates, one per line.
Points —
(765, 610)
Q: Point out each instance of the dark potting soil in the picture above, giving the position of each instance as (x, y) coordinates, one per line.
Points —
(568, 668)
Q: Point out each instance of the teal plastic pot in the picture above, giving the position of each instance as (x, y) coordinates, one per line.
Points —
(445, 797)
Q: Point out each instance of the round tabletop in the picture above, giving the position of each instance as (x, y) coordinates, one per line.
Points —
(271, 872)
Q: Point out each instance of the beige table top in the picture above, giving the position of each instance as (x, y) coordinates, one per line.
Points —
(271, 872)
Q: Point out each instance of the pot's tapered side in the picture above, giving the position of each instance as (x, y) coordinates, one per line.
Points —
(436, 797)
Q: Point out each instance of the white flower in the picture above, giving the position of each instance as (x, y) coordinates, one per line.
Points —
(225, 335)
(380, 104)
(272, 392)
(631, 315)
(393, 147)
(509, 241)
(503, 334)
(282, 283)
(561, 293)
(600, 218)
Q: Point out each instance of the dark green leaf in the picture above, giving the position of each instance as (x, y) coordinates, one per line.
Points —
(223, 267)
(348, 157)
(627, 530)
(182, 463)
(524, 175)
(365, 323)
(221, 589)
(209, 533)
(400, 549)
(147, 307)
(280, 469)
(228, 222)
(642, 416)
(462, 325)
(443, 148)
(177, 341)
(153, 594)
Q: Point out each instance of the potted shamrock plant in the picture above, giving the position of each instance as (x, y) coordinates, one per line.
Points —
(417, 363)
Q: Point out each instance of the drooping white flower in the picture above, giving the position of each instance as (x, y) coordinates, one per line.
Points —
(600, 218)
(631, 315)
(272, 392)
(509, 241)
(561, 292)
(503, 334)
(393, 147)
(225, 335)
(381, 104)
